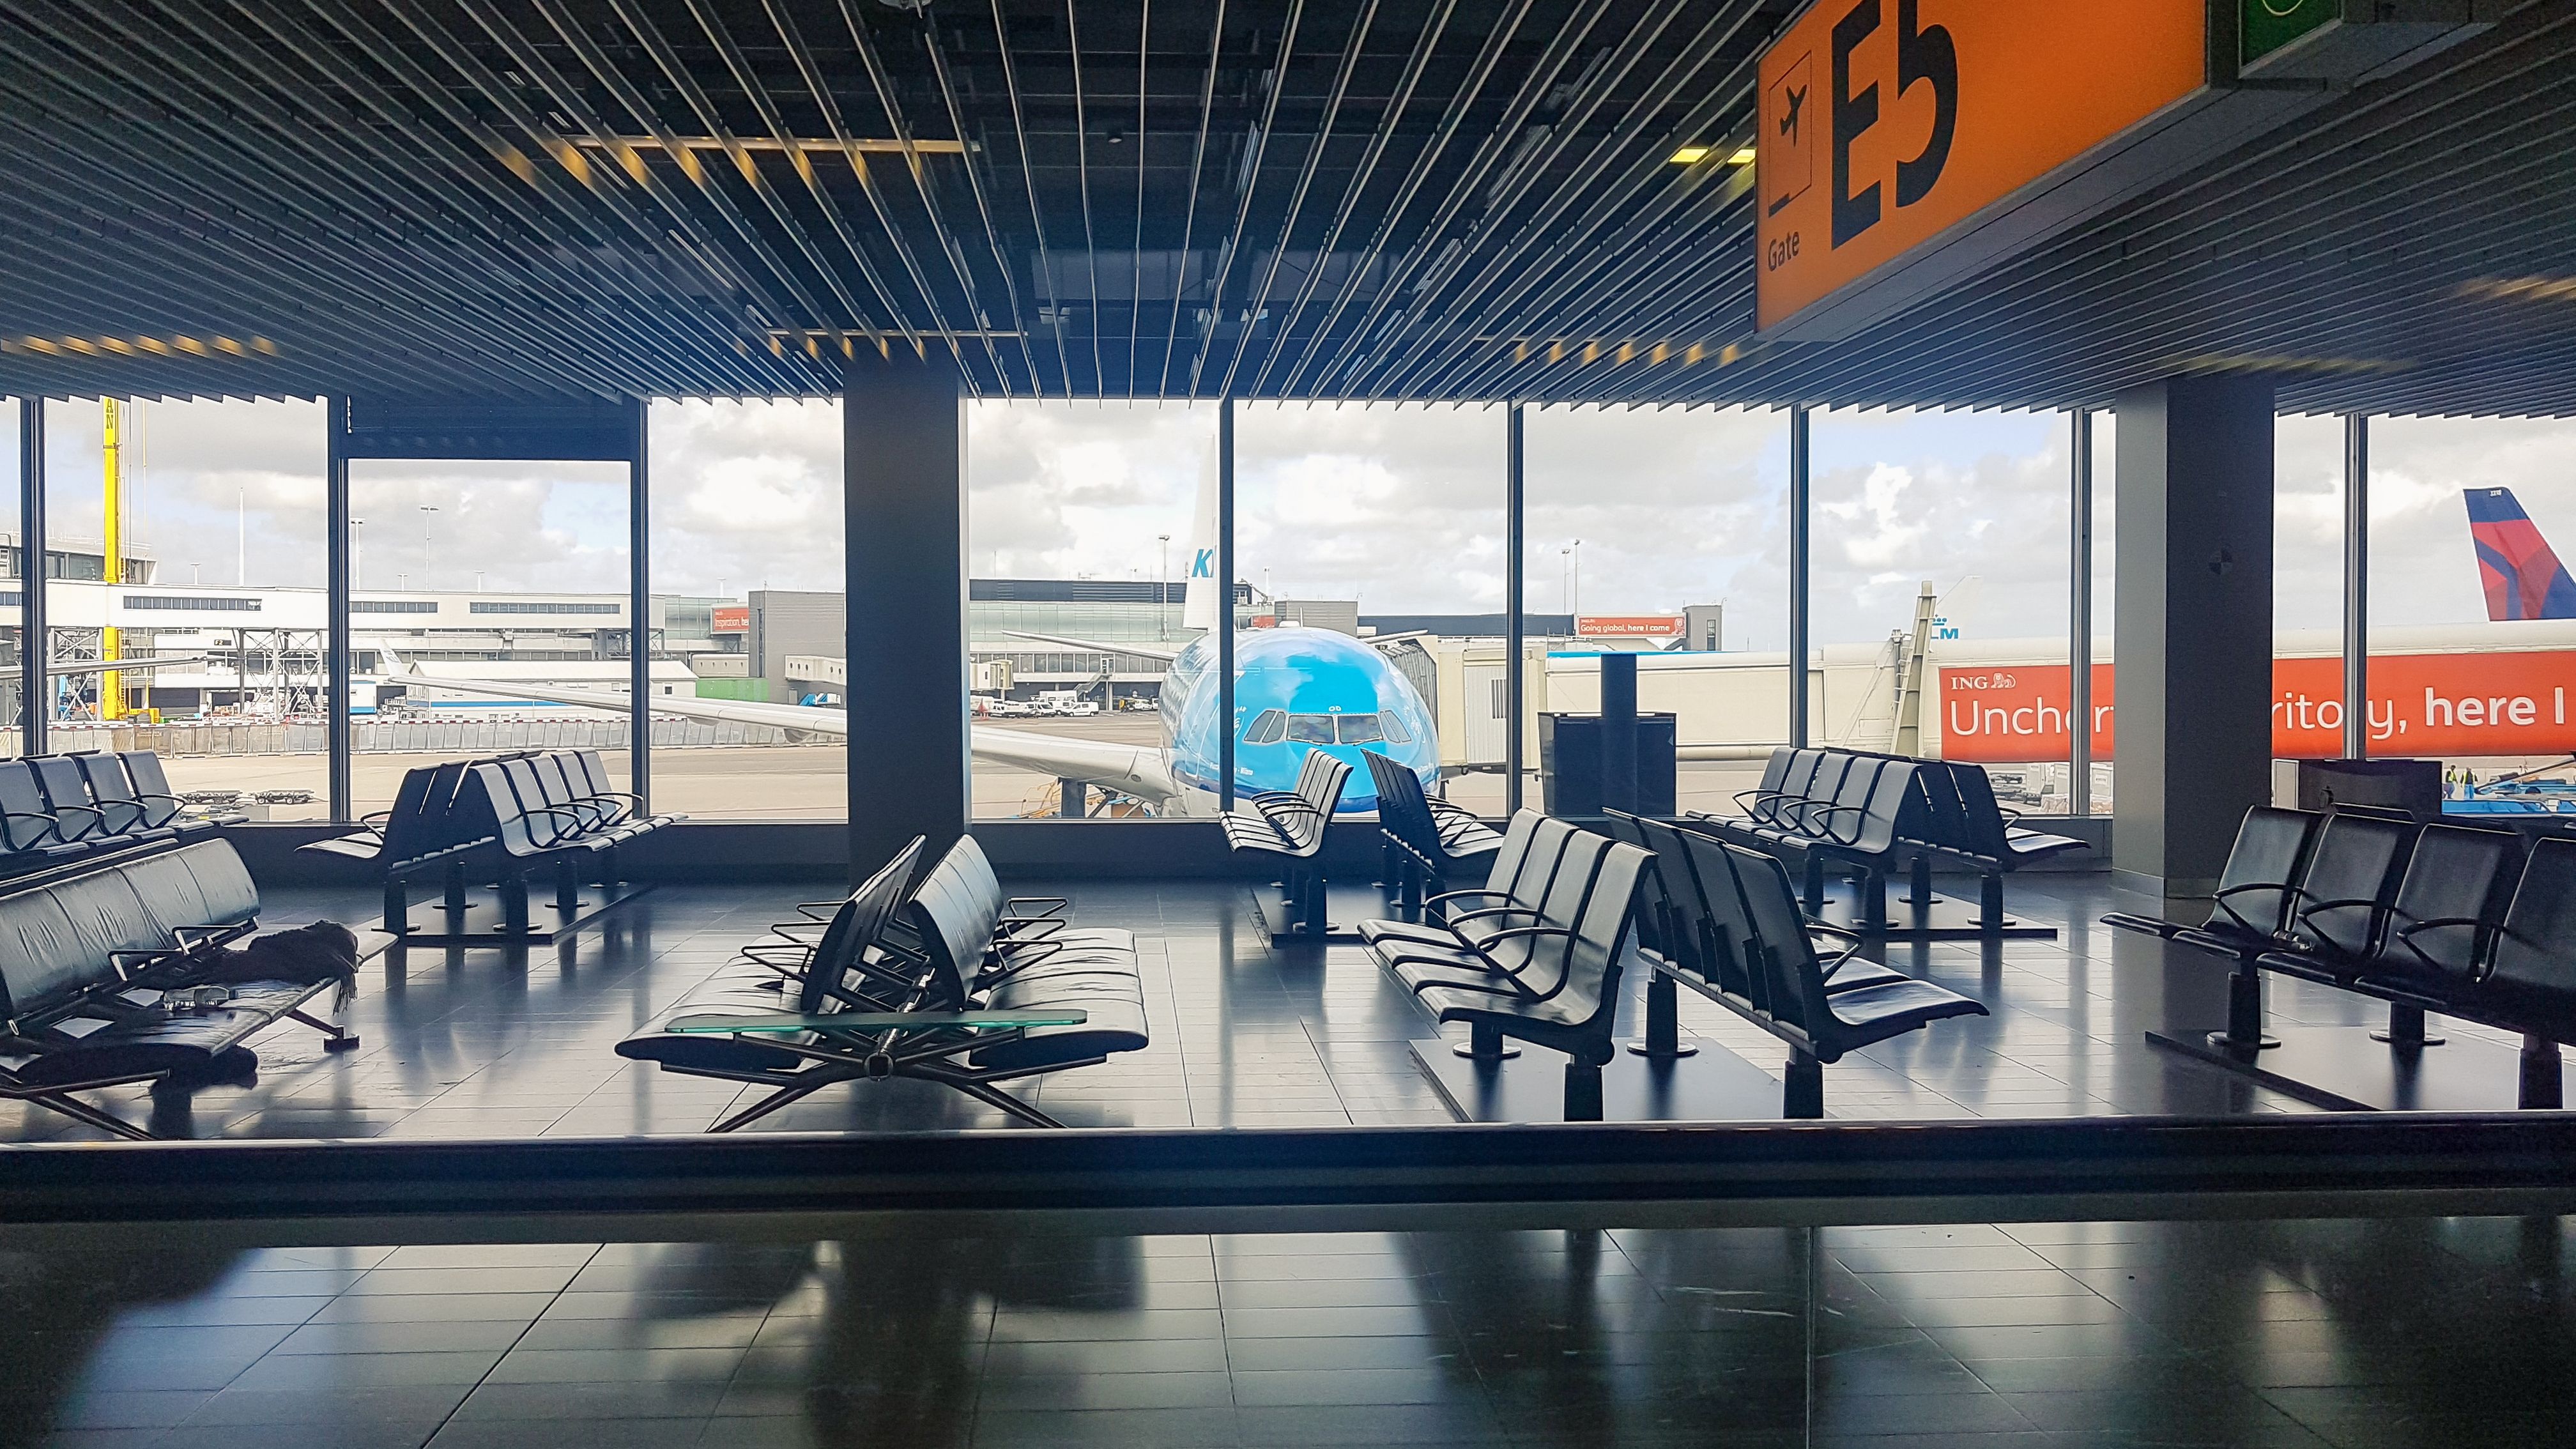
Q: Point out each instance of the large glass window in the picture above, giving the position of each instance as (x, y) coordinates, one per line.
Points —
(1373, 541)
(1941, 559)
(1084, 525)
(218, 522)
(1663, 531)
(747, 601)
(2307, 587)
(488, 614)
(2472, 610)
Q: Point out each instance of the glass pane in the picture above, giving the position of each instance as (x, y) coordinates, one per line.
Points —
(2472, 608)
(1085, 523)
(488, 614)
(747, 600)
(2307, 587)
(1667, 531)
(220, 528)
(1361, 729)
(1941, 556)
(1358, 522)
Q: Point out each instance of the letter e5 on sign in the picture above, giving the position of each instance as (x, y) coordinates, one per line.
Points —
(1885, 123)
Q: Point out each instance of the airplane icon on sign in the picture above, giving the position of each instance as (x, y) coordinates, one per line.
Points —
(1789, 116)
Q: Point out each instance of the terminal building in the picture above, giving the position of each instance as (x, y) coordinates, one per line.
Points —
(740, 1016)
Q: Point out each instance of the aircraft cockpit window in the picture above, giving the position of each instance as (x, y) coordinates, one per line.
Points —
(1361, 729)
(1310, 729)
(1267, 727)
(1395, 729)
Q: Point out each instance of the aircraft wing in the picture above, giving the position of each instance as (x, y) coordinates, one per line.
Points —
(1130, 769)
(1137, 770)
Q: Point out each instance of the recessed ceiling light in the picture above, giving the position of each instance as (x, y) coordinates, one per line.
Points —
(1690, 155)
(1742, 157)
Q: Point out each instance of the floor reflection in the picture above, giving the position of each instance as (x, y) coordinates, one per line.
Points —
(2455, 1331)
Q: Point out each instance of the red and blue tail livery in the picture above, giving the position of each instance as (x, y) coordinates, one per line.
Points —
(2522, 574)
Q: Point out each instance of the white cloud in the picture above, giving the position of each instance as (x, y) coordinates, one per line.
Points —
(1400, 507)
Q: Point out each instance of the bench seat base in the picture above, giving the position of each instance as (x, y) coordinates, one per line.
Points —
(1346, 904)
(2343, 1069)
(1713, 1085)
(1948, 919)
(483, 922)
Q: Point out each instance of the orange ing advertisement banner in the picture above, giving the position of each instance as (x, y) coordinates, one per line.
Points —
(1885, 122)
(1638, 626)
(2422, 706)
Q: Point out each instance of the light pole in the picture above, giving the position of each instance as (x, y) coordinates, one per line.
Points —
(357, 553)
(426, 510)
(1162, 585)
(1574, 590)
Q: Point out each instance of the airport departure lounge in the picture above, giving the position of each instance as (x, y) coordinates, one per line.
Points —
(970, 723)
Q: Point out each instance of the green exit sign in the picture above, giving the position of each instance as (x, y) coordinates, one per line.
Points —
(2267, 25)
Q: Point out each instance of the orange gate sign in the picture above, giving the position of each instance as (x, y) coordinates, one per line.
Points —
(2422, 706)
(1886, 122)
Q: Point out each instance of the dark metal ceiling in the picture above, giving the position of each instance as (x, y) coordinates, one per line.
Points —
(1305, 198)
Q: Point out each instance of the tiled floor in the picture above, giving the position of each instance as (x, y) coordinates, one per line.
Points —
(476, 1044)
(2069, 1336)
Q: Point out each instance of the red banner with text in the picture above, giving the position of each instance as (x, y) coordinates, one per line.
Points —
(2425, 706)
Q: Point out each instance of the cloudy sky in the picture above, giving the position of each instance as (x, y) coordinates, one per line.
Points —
(1398, 507)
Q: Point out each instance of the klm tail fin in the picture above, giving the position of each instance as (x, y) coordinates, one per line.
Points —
(1203, 600)
(2522, 574)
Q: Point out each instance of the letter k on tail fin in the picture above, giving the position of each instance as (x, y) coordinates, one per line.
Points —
(2522, 574)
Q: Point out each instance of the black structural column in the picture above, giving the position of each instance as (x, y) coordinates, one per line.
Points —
(903, 474)
(1515, 604)
(1801, 515)
(2079, 617)
(335, 509)
(639, 613)
(2356, 587)
(2192, 625)
(1226, 725)
(34, 640)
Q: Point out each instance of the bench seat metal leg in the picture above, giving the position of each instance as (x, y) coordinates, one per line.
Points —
(1582, 1090)
(1663, 1039)
(2244, 1013)
(454, 904)
(2405, 1029)
(1485, 1043)
(2543, 1088)
(397, 905)
(1802, 1090)
(1919, 887)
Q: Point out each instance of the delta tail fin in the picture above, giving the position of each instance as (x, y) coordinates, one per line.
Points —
(2521, 573)
(1203, 601)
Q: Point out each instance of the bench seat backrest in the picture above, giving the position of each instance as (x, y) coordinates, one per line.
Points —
(1945, 820)
(1561, 909)
(2269, 859)
(1589, 995)
(1981, 817)
(152, 784)
(2456, 873)
(1513, 853)
(113, 793)
(67, 796)
(1403, 811)
(1876, 829)
(854, 932)
(1783, 955)
(955, 912)
(1822, 788)
(2357, 859)
(1794, 784)
(1841, 818)
(43, 960)
(25, 822)
(2535, 954)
